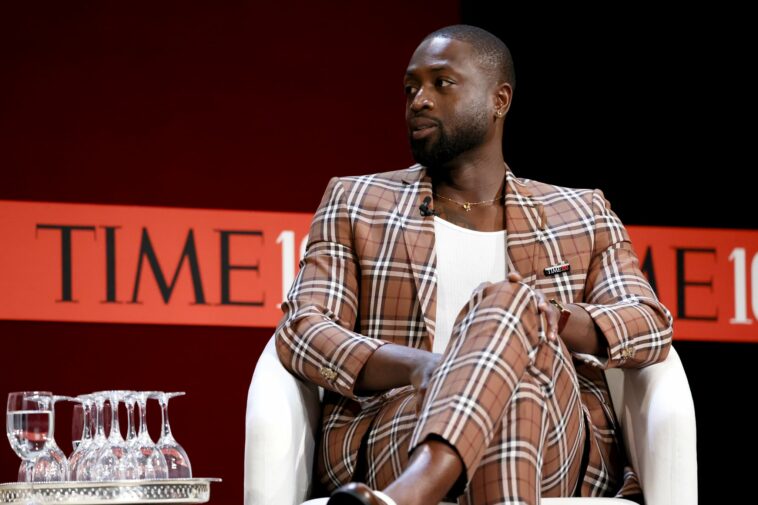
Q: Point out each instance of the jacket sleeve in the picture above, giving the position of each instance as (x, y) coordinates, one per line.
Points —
(620, 300)
(315, 340)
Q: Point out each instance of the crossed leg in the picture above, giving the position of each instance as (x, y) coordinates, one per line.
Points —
(504, 404)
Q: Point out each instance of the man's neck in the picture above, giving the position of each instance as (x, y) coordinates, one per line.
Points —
(470, 180)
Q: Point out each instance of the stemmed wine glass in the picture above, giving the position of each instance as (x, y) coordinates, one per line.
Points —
(53, 465)
(30, 423)
(86, 467)
(176, 457)
(82, 440)
(150, 461)
(114, 460)
(55, 451)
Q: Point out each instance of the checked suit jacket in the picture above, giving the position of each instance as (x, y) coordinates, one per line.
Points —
(369, 278)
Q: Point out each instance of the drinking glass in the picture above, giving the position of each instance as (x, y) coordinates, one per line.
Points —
(81, 433)
(55, 452)
(176, 457)
(151, 464)
(87, 468)
(114, 460)
(30, 425)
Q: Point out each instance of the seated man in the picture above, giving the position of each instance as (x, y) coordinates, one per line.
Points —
(459, 318)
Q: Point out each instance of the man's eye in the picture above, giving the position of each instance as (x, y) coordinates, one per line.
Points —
(443, 83)
(410, 90)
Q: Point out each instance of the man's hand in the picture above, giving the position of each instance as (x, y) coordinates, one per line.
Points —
(422, 374)
(580, 333)
(393, 366)
(552, 314)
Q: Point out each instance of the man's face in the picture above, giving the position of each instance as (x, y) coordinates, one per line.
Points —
(449, 109)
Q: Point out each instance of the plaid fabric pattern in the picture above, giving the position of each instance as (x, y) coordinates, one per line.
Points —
(503, 396)
(369, 278)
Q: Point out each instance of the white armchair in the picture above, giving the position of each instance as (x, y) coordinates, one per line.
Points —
(654, 406)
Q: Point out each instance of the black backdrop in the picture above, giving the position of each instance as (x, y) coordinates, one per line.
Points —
(652, 105)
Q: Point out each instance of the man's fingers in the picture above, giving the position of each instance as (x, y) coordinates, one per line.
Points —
(551, 316)
(420, 395)
(543, 306)
(553, 321)
(422, 375)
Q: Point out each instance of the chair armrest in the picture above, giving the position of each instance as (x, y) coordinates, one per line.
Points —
(654, 406)
(280, 432)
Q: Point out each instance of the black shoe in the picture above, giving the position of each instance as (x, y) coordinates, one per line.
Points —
(357, 493)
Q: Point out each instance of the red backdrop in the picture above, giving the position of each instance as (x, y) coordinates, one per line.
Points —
(230, 106)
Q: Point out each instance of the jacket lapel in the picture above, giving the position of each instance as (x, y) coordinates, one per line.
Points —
(418, 235)
(524, 219)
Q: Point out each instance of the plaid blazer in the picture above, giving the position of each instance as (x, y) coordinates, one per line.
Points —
(369, 278)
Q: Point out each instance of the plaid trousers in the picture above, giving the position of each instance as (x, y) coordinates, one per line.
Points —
(503, 396)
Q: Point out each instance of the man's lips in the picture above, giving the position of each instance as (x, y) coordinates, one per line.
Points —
(423, 132)
(421, 127)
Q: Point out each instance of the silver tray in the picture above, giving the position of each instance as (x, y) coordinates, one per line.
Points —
(196, 490)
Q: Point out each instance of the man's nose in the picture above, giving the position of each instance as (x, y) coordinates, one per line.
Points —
(421, 101)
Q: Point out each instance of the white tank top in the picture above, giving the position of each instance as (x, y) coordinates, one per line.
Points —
(465, 259)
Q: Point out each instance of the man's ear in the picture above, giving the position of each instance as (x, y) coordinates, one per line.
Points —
(503, 97)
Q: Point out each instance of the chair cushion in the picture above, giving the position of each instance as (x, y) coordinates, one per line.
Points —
(545, 501)
(322, 501)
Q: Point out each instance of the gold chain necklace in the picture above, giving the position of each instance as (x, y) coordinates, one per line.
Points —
(467, 205)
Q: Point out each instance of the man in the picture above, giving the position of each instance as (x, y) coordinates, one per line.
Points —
(526, 292)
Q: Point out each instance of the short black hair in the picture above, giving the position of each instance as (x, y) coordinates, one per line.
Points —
(492, 52)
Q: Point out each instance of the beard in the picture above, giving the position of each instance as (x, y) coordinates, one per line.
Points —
(449, 144)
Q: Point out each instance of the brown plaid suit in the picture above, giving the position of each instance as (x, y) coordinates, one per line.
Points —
(526, 417)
